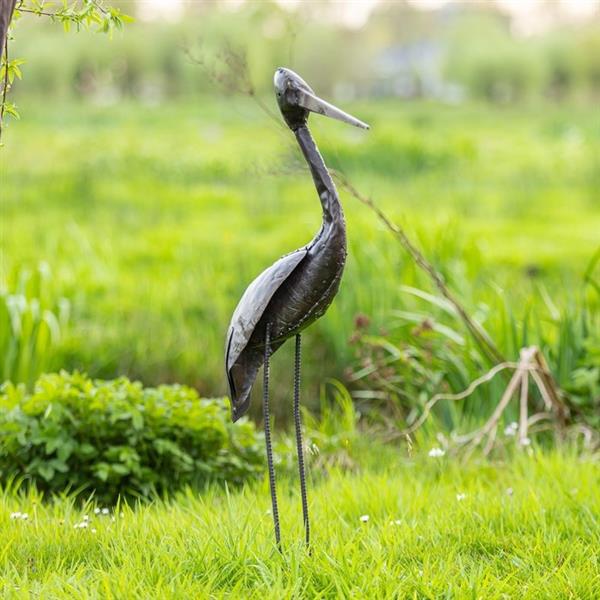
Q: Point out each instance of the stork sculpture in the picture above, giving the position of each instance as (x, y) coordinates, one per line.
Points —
(293, 292)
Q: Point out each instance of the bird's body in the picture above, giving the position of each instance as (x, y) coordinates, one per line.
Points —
(297, 289)
(292, 293)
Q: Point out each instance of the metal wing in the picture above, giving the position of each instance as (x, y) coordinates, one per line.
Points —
(245, 318)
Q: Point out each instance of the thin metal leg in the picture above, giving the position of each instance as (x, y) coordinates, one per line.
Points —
(267, 419)
(299, 445)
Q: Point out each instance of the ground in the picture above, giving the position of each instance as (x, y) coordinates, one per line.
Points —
(421, 527)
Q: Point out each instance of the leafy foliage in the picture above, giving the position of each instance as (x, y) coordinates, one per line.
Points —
(118, 438)
(80, 14)
(33, 318)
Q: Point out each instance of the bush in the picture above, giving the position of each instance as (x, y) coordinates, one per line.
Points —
(118, 438)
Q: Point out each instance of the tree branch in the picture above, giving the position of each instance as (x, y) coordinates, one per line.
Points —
(7, 8)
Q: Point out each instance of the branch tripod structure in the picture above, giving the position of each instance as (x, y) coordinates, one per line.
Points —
(293, 292)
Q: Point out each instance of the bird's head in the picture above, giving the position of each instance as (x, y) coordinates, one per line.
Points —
(296, 100)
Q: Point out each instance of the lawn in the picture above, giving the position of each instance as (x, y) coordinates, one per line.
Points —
(399, 527)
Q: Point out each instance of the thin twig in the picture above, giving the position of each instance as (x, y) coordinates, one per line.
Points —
(476, 436)
(460, 396)
(40, 13)
(523, 408)
(43, 13)
(479, 334)
(491, 441)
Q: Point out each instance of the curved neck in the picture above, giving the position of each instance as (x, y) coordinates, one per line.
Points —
(332, 209)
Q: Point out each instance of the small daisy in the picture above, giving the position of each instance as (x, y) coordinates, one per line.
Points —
(96, 511)
(511, 429)
(460, 497)
(15, 515)
(509, 491)
(364, 518)
(396, 522)
(24, 516)
(525, 442)
(436, 452)
(105, 511)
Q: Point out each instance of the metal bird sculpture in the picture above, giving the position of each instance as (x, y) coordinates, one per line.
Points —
(296, 290)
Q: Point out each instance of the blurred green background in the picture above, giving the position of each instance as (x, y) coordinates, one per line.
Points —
(142, 192)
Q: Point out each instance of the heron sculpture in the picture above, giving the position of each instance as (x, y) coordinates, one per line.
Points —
(293, 292)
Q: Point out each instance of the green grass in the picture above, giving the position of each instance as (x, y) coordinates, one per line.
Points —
(152, 221)
(527, 528)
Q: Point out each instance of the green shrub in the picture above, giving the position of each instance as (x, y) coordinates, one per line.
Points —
(118, 438)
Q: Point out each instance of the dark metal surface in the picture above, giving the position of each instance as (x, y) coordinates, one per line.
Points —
(293, 292)
(297, 289)
(267, 417)
(299, 443)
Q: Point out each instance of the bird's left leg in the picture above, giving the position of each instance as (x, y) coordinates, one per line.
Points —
(299, 445)
(269, 448)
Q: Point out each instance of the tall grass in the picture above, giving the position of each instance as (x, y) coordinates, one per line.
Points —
(155, 219)
(425, 350)
(33, 319)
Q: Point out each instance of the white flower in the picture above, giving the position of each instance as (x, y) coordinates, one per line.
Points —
(86, 518)
(525, 442)
(509, 491)
(396, 522)
(364, 518)
(93, 530)
(15, 515)
(105, 511)
(460, 497)
(24, 516)
(96, 511)
(511, 429)
(436, 452)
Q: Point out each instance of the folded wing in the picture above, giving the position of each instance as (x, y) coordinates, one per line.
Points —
(242, 364)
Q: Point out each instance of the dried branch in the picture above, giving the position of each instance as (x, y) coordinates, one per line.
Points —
(461, 396)
(479, 334)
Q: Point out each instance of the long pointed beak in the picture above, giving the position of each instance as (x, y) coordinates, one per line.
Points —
(315, 104)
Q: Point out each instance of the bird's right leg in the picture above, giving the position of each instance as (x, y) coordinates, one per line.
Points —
(299, 443)
(267, 420)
